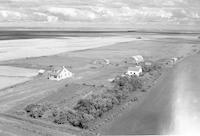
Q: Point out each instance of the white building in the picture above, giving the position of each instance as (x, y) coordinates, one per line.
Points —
(41, 72)
(138, 59)
(174, 59)
(59, 73)
(107, 61)
(137, 70)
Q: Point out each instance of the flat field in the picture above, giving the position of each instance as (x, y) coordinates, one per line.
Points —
(88, 77)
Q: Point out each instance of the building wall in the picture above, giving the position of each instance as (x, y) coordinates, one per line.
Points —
(133, 73)
(64, 74)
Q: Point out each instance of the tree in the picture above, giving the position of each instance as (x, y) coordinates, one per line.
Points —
(40, 110)
(86, 106)
(77, 119)
(35, 110)
(61, 118)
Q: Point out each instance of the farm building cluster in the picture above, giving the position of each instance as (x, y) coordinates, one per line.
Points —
(137, 70)
(56, 73)
(60, 73)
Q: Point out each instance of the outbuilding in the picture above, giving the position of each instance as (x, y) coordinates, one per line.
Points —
(174, 59)
(137, 70)
(41, 72)
(138, 59)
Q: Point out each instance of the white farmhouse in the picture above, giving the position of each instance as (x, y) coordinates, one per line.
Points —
(137, 70)
(138, 59)
(59, 73)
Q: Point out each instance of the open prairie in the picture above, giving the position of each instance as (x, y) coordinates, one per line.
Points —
(13, 75)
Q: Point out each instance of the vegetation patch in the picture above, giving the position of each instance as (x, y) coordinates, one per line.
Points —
(89, 109)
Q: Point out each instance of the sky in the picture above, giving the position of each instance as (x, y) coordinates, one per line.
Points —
(119, 13)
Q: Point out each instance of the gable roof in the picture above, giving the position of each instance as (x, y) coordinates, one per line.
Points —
(138, 58)
(58, 70)
(136, 68)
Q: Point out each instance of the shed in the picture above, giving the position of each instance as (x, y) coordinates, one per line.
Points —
(41, 72)
(138, 59)
(137, 70)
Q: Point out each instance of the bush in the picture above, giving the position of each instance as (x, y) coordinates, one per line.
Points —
(119, 94)
(96, 105)
(51, 114)
(131, 83)
(120, 80)
(123, 85)
(35, 110)
(61, 117)
(38, 110)
(85, 106)
(102, 104)
(136, 83)
(150, 68)
(77, 119)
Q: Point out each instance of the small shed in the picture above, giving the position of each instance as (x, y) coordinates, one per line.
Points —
(138, 59)
(174, 59)
(41, 72)
(137, 70)
(60, 73)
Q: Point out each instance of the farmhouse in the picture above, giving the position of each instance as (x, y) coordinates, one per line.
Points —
(137, 70)
(138, 59)
(59, 73)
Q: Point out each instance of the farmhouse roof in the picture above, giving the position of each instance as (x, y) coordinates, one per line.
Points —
(138, 57)
(57, 70)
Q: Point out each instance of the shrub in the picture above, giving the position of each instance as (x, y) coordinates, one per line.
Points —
(38, 110)
(131, 83)
(136, 83)
(86, 106)
(77, 119)
(149, 68)
(51, 114)
(35, 110)
(102, 104)
(119, 94)
(96, 105)
(120, 80)
(61, 118)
